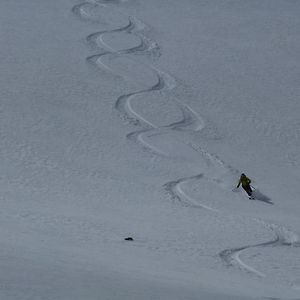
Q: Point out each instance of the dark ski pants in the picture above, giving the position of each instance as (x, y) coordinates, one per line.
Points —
(248, 189)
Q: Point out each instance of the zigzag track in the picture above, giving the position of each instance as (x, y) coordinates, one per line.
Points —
(145, 45)
(190, 122)
(123, 103)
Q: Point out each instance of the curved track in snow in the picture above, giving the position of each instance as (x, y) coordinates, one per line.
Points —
(175, 189)
(145, 45)
(282, 237)
(190, 120)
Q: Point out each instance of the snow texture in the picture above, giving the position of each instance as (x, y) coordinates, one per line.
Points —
(135, 118)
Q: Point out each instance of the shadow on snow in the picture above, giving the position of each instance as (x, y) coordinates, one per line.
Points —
(261, 197)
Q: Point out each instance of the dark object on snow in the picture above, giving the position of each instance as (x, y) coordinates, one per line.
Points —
(245, 181)
(129, 239)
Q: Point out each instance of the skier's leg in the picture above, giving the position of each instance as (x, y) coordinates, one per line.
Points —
(248, 190)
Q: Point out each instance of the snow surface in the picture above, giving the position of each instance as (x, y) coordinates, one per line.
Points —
(135, 118)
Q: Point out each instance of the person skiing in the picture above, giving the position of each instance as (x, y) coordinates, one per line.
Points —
(245, 181)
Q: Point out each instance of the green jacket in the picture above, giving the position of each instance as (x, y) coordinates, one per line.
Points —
(244, 180)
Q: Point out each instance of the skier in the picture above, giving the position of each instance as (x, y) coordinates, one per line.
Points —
(245, 181)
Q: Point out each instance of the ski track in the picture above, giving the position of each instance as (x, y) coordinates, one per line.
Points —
(190, 121)
(283, 237)
(123, 103)
(79, 12)
(95, 40)
(174, 188)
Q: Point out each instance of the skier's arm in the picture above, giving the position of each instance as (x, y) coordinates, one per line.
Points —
(239, 184)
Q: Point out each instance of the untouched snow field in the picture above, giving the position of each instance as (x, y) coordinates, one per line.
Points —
(135, 118)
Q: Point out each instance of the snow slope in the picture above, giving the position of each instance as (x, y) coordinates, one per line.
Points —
(135, 118)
